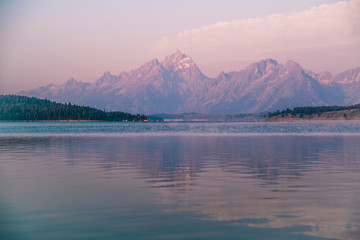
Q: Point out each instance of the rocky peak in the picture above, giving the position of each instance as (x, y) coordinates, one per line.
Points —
(107, 74)
(223, 76)
(147, 67)
(349, 76)
(291, 65)
(265, 63)
(106, 78)
(72, 83)
(263, 67)
(178, 61)
(323, 77)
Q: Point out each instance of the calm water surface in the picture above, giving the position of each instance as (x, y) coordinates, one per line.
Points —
(296, 180)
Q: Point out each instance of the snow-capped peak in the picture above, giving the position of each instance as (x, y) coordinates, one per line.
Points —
(178, 60)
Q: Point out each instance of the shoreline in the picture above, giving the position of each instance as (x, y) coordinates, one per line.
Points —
(344, 115)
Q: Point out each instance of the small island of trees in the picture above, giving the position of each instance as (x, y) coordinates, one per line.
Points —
(22, 108)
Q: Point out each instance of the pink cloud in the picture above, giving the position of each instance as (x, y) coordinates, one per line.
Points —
(329, 34)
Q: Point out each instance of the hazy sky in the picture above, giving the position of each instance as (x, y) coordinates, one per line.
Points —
(50, 41)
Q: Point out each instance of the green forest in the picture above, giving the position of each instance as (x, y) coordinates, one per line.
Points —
(21, 108)
(301, 111)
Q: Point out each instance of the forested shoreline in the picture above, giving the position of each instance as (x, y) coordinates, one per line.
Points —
(22, 108)
(316, 113)
(312, 110)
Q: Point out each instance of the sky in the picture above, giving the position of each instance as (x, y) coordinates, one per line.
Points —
(44, 41)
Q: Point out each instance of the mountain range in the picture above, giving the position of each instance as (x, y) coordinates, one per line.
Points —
(177, 85)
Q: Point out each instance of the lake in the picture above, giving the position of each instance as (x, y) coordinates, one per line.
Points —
(203, 180)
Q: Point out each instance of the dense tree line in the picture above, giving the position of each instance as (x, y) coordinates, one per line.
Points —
(14, 107)
(301, 111)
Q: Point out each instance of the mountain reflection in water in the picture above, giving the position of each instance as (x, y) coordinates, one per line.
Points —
(302, 186)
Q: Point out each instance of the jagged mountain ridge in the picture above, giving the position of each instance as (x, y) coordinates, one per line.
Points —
(177, 85)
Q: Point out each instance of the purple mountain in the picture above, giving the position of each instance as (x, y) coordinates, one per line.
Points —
(177, 85)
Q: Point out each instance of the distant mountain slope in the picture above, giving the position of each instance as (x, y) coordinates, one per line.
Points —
(264, 86)
(177, 85)
(13, 107)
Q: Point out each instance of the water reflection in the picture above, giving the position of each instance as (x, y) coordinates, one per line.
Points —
(307, 184)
